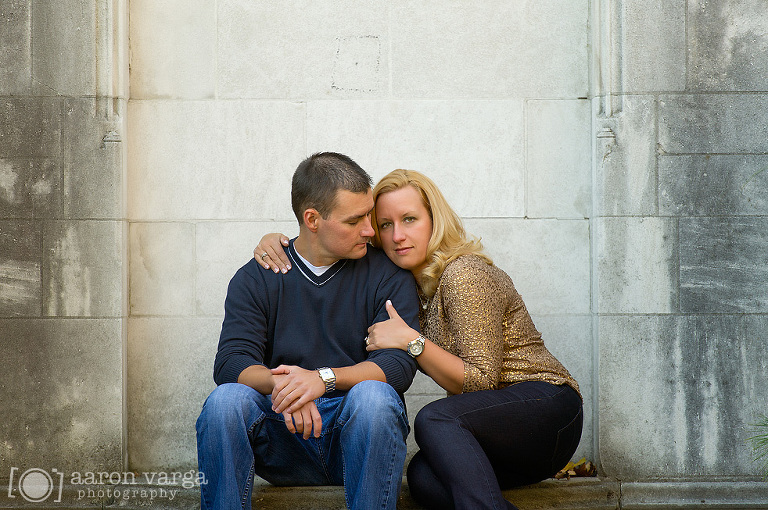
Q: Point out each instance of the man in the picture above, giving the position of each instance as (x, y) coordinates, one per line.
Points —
(300, 401)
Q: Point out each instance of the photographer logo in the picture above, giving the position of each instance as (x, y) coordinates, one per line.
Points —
(35, 485)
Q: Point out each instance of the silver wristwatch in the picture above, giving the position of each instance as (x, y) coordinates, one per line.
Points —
(416, 347)
(328, 377)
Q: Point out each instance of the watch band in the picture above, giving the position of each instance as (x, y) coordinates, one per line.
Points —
(328, 377)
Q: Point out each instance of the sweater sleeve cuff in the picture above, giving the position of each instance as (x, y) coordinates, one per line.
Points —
(230, 371)
(398, 367)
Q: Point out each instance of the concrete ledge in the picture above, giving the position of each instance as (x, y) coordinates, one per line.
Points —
(574, 494)
(694, 494)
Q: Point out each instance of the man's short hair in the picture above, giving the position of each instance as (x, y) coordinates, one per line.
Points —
(318, 178)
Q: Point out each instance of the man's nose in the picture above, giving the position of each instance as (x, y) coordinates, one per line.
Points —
(367, 228)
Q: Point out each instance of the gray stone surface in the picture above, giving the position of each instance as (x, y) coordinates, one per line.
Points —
(15, 47)
(713, 123)
(30, 188)
(83, 268)
(724, 265)
(738, 495)
(76, 48)
(558, 159)
(161, 269)
(653, 45)
(625, 165)
(677, 395)
(20, 277)
(93, 154)
(493, 49)
(236, 159)
(169, 376)
(728, 185)
(61, 394)
(637, 264)
(30, 127)
(173, 49)
(727, 44)
(293, 56)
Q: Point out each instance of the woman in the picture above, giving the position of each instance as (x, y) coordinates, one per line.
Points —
(514, 414)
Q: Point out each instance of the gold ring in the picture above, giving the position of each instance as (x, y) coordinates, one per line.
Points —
(263, 255)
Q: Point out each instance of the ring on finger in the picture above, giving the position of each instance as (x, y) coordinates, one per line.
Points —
(367, 342)
(263, 255)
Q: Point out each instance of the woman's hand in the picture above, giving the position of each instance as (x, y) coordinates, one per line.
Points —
(269, 252)
(393, 333)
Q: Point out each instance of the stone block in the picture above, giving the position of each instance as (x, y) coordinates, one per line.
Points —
(83, 268)
(30, 128)
(713, 123)
(637, 265)
(20, 278)
(724, 265)
(16, 44)
(625, 159)
(713, 185)
(494, 49)
(726, 45)
(558, 159)
(92, 134)
(548, 260)
(453, 142)
(653, 46)
(677, 394)
(221, 248)
(30, 188)
(292, 55)
(162, 268)
(235, 158)
(76, 48)
(569, 339)
(173, 49)
(170, 374)
(61, 395)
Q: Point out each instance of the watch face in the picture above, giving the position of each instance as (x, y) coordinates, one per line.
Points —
(415, 348)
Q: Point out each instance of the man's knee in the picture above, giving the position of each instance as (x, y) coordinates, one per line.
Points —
(373, 401)
(228, 402)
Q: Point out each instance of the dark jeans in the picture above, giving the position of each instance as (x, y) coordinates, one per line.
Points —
(474, 445)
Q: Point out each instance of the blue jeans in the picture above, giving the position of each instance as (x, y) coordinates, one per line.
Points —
(475, 445)
(361, 446)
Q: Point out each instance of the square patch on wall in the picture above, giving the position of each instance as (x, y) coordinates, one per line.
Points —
(356, 63)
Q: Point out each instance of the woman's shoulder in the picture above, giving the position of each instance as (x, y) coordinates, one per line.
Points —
(471, 268)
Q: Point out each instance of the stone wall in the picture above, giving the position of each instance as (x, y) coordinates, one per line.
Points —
(63, 102)
(681, 239)
(611, 155)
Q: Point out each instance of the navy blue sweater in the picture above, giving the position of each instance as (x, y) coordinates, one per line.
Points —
(312, 321)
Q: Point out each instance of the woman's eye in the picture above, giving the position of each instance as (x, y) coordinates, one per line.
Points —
(409, 219)
(384, 225)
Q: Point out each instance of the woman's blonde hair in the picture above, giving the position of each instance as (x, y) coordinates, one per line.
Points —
(449, 239)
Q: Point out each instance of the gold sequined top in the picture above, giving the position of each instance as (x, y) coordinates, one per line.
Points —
(477, 314)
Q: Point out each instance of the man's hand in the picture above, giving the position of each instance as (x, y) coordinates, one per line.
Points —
(305, 421)
(295, 387)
